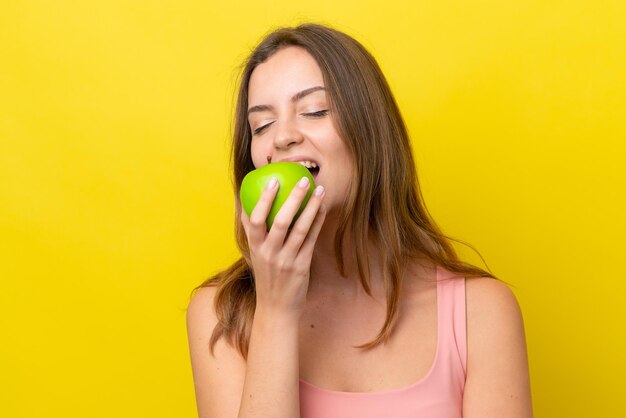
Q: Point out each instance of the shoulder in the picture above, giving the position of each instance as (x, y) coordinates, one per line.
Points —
(201, 320)
(488, 297)
(200, 308)
(494, 317)
(497, 366)
(218, 376)
(201, 317)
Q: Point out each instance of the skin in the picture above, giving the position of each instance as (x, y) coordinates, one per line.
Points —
(296, 333)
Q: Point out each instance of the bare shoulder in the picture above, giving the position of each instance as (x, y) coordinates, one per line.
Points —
(494, 321)
(201, 317)
(201, 303)
(218, 377)
(492, 298)
(201, 312)
(498, 381)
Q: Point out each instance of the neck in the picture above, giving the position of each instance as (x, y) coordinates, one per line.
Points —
(325, 275)
(327, 280)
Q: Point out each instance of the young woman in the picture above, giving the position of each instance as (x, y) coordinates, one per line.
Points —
(363, 309)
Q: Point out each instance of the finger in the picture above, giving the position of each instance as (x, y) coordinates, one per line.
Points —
(257, 221)
(306, 250)
(303, 225)
(287, 212)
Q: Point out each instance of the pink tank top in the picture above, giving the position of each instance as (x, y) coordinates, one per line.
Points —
(439, 394)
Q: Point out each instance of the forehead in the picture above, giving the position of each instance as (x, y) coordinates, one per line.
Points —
(286, 72)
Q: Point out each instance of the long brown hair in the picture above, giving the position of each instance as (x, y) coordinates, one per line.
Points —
(387, 204)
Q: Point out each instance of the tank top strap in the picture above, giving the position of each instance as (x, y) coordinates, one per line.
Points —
(452, 328)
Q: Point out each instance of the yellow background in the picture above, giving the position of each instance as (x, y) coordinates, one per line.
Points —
(115, 199)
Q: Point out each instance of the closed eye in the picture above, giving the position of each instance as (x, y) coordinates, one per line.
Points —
(319, 113)
(261, 128)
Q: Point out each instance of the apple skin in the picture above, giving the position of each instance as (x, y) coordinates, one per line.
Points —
(288, 175)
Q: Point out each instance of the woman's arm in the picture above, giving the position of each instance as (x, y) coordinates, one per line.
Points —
(498, 383)
(267, 383)
(281, 261)
(271, 386)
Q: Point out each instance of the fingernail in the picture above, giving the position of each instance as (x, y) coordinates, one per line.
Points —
(319, 190)
(304, 183)
(272, 183)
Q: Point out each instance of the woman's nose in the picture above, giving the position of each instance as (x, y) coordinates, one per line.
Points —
(286, 134)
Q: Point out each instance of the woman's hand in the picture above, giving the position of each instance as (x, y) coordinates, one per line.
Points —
(281, 259)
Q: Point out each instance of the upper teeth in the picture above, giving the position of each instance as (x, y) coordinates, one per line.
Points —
(308, 164)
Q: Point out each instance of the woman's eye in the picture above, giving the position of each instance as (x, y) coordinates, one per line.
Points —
(319, 113)
(261, 128)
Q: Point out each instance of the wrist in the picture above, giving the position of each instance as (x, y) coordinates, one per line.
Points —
(270, 318)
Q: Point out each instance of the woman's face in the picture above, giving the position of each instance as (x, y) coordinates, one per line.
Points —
(289, 117)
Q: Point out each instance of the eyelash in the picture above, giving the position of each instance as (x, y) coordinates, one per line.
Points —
(318, 114)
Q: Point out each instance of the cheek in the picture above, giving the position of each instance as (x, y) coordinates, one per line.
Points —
(259, 156)
(343, 154)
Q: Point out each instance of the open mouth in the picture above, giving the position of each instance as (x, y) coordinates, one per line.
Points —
(314, 171)
(312, 166)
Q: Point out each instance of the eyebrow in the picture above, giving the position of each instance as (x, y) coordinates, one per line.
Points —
(295, 98)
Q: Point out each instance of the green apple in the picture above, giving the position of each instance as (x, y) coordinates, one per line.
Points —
(288, 175)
